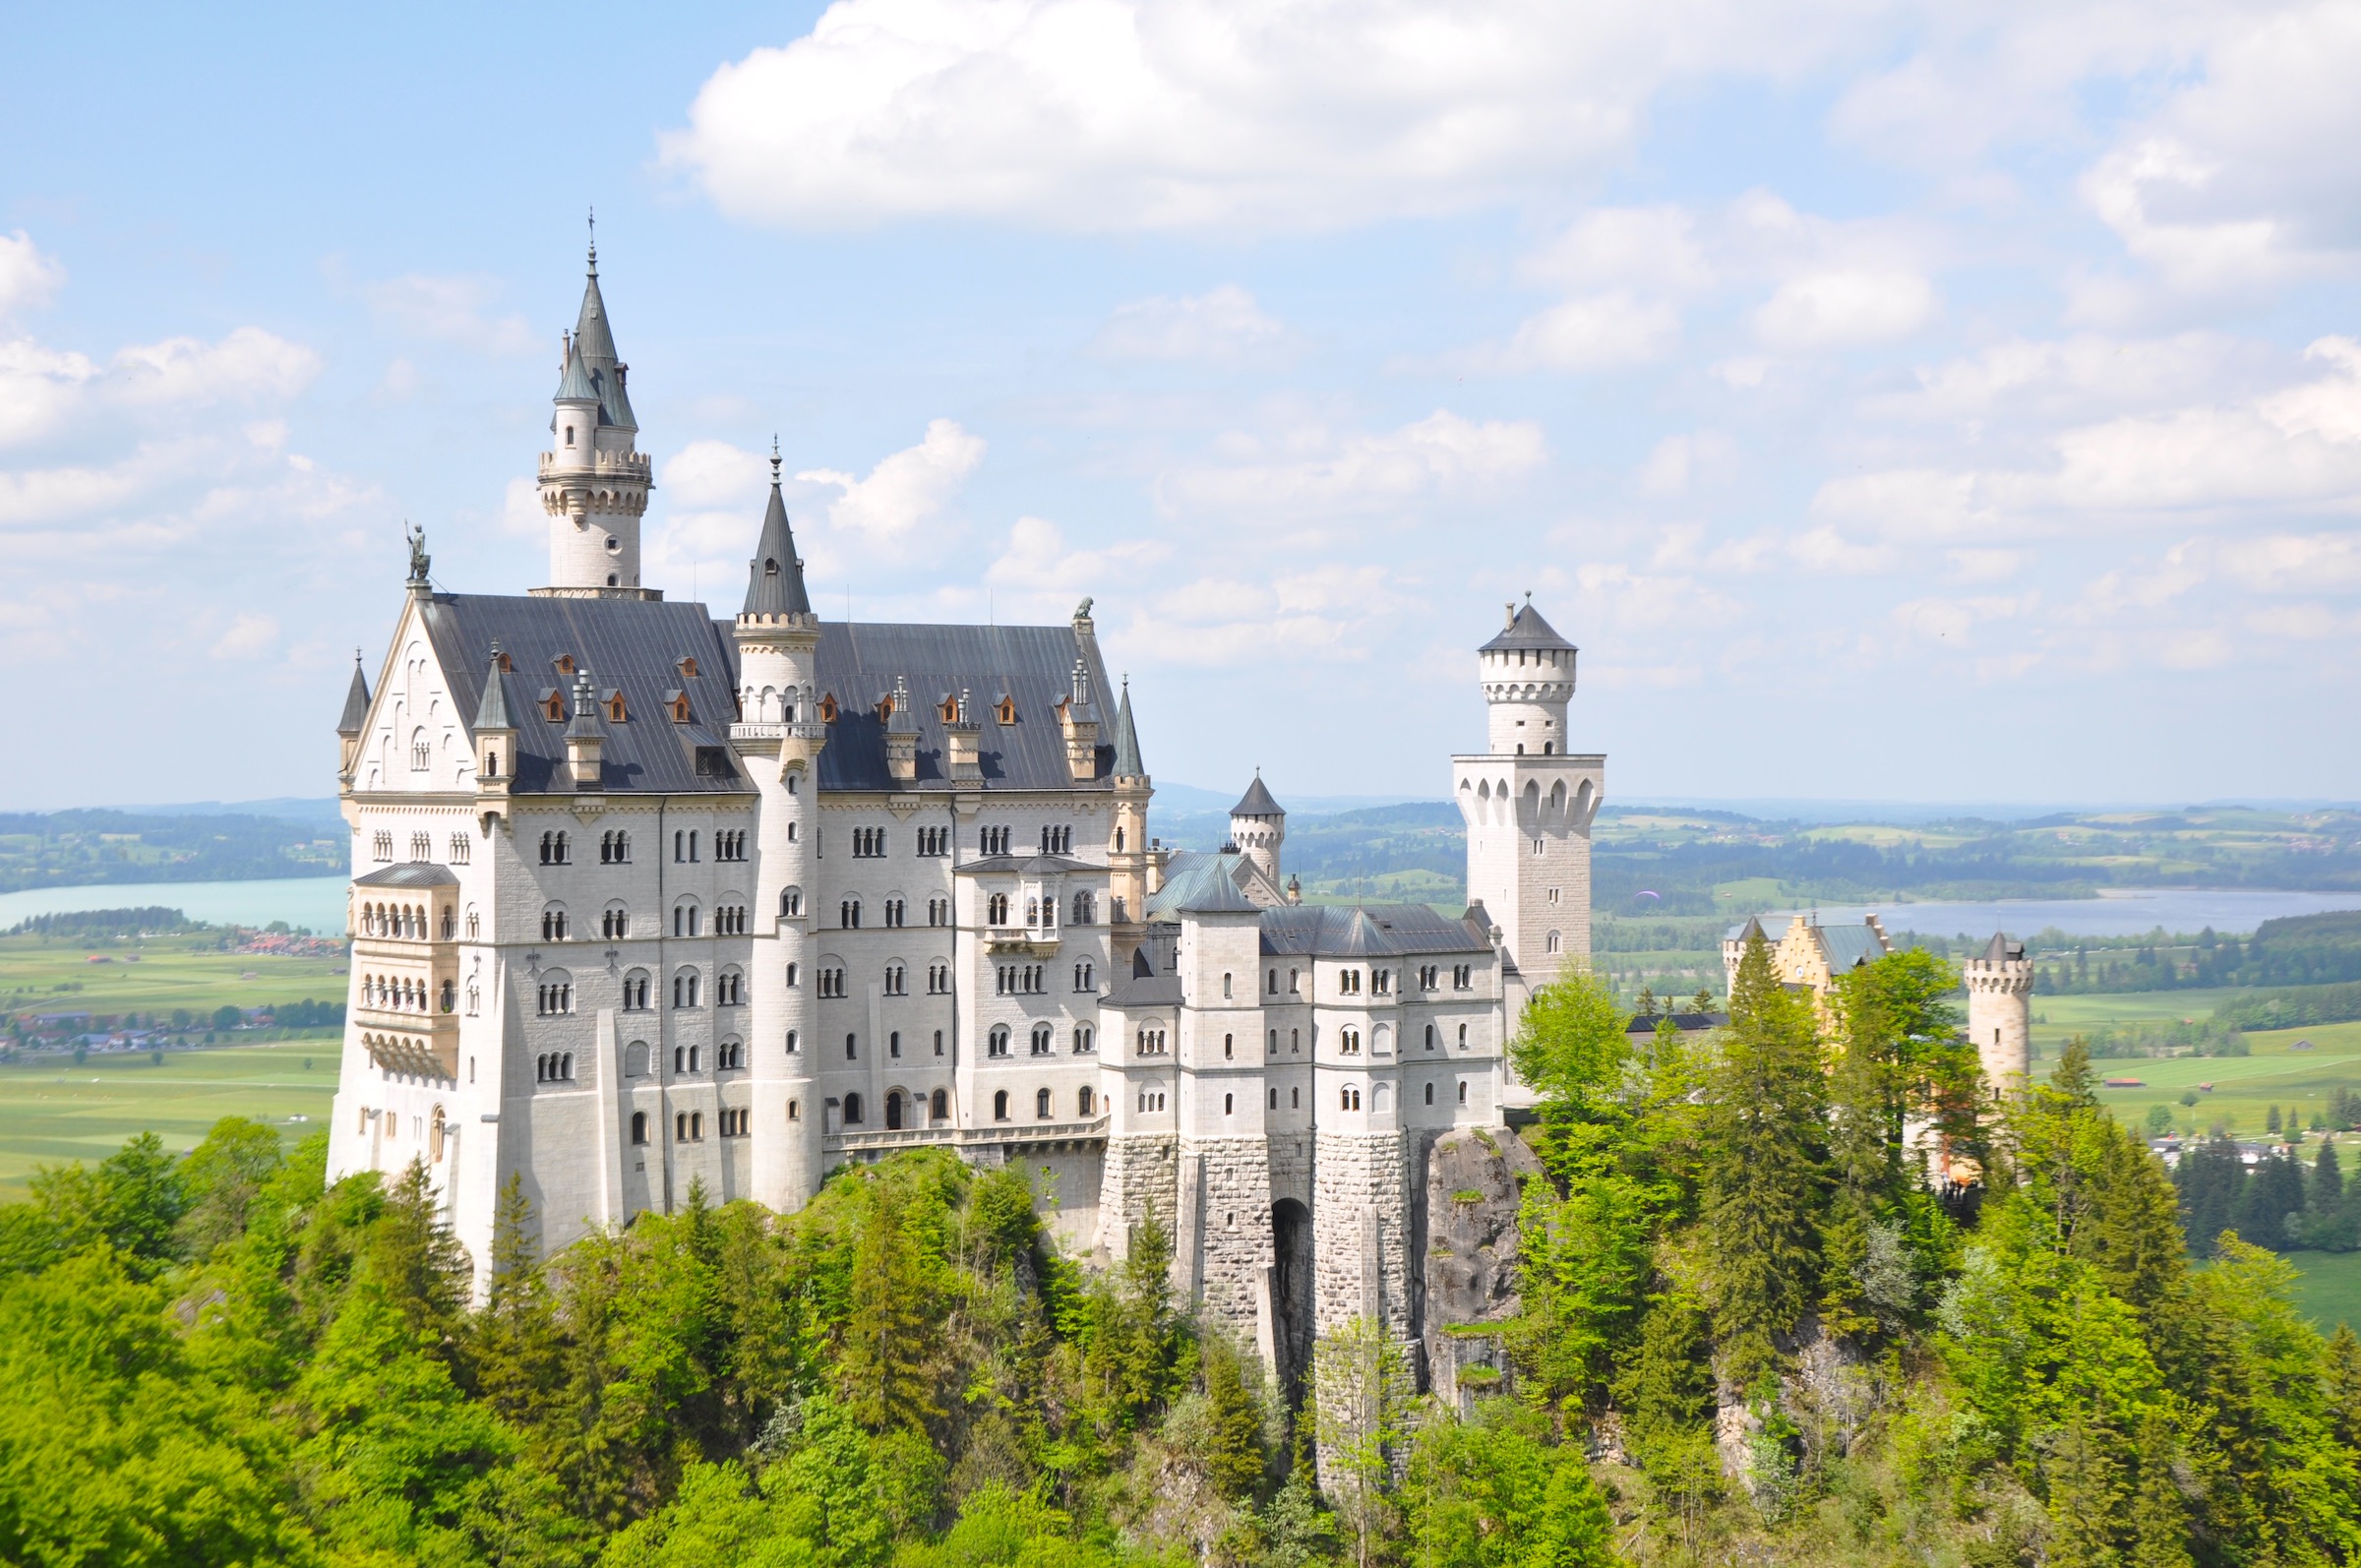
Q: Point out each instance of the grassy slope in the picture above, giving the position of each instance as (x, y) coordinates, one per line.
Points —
(54, 1112)
(2243, 1087)
(168, 975)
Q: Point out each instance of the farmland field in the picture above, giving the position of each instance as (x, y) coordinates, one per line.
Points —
(2329, 1290)
(53, 1111)
(46, 975)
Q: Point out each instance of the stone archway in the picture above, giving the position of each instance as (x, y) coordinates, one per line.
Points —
(1291, 1288)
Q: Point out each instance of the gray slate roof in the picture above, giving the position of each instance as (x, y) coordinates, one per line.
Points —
(1188, 878)
(858, 663)
(1527, 629)
(1330, 930)
(356, 702)
(630, 645)
(1144, 991)
(2001, 950)
(1216, 896)
(774, 578)
(1126, 740)
(409, 873)
(1849, 946)
(492, 713)
(1257, 801)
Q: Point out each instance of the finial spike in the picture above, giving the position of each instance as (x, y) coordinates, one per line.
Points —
(774, 458)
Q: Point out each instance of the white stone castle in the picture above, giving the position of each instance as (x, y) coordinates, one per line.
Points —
(643, 898)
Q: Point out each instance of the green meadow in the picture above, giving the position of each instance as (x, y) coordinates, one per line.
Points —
(53, 1111)
(46, 975)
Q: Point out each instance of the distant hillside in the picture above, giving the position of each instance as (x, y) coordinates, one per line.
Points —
(80, 848)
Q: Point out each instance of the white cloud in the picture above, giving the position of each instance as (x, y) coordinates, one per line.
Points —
(450, 310)
(521, 510)
(2285, 563)
(1440, 453)
(250, 636)
(250, 363)
(906, 488)
(715, 474)
(1673, 464)
(1223, 325)
(28, 278)
(1845, 309)
(1603, 332)
(1984, 566)
(1037, 561)
(1655, 248)
(1825, 551)
(1223, 114)
(2074, 377)
(1952, 620)
(39, 388)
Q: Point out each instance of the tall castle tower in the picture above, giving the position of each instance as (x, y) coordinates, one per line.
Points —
(1527, 803)
(594, 479)
(1258, 826)
(778, 735)
(2000, 1011)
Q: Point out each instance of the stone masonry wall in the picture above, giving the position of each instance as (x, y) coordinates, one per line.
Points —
(1360, 1238)
(1233, 1229)
(1142, 1179)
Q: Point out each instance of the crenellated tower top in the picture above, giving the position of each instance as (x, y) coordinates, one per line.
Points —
(594, 479)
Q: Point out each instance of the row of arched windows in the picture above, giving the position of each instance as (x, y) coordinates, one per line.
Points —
(400, 993)
(402, 922)
(554, 1067)
(1045, 1104)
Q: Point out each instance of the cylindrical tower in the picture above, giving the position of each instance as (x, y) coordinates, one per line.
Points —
(1259, 827)
(594, 480)
(779, 736)
(2000, 1012)
(1528, 680)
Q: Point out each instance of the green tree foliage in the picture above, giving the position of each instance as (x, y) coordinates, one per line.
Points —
(1362, 1390)
(1498, 1492)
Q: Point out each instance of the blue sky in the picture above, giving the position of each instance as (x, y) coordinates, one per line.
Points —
(1892, 403)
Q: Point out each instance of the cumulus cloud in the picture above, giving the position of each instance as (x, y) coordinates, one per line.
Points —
(449, 309)
(1223, 325)
(1440, 453)
(906, 488)
(1603, 332)
(250, 636)
(1202, 114)
(248, 364)
(1845, 309)
(28, 278)
(715, 474)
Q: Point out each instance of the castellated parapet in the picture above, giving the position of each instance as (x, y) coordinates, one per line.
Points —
(2000, 1012)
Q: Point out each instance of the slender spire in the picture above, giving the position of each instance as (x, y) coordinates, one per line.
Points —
(1127, 739)
(774, 583)
(356, 701)
(492, 713)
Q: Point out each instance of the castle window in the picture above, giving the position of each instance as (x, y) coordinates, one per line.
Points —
(1294, 1041)
(795, 1110)
(1349, 1099)
(1086, 1103)
(564, 663)
(894, 1110)
(941, 1105)
(729, 989)
(422, 755)
(896, 912)
(1041, 1103)
(553, 705)
(1295, 982)
(832, 982)
(848, 913)
(828, 708)
(1040, 1040)
(1273, 1048)
(615, 708)
(569, 435)
(996, 910)
(688, 667)
(1229, 1103)
(1463, 1091)
(736, 1124)
(999, 1104)
(1086, 909)
(616, 924)
(684, 989)
(1552, 942)
(991, 841)
(1462, 1036)
(997, 1043)
(713, 762)
(678, 703)
(634, 991)
(1348, 1042)
(791, 1043)
(474, 925)
(939, 911)
(422, 846)
(638, 1126)
(1229, 1047)
(1294, 1099)
(508, 666)
(634, 1059)
(460, 848)
(1004, 710)
(852, 1047)
(1430, 1037)
(1085, 1040)
(893, 1044)
(553, 997)
(1084, 978)
(938, 979)
(1463, 977)
(1430, 1094)
(553, 924)
(1274, 1101)
(938, 1045)
(934, 841)
(492, 762)
(685, 918)
(897, 982)
(381, 847)
(791, 902)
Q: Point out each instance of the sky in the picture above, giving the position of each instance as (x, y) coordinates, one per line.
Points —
(1907, 401)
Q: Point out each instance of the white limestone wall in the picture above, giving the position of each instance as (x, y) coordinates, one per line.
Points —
(1529, 851)
(2000, 1020)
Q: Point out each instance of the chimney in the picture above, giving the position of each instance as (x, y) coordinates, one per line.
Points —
(964, 737)
(901, 736)
(585, 736)
(1079, 716)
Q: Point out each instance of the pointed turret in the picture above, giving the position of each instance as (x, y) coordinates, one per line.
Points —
(594, 481)
(354, 721)
(1258, 826)
(1127, 739)
(495, 731)
(774, 579)
(492, 713)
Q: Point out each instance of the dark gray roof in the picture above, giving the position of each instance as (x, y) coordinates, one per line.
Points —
(1188, 878)
(2001, 950)
(1257, 801)
(1688, 1023)
(859, 664)
(356, 702)
(1527, 629)
(1751, 929)
(1372, 931)
(1126, 740)
(492, 713)
(1024, 865)
(409, 873)
(602, 370)
(632, 645)
(574, 385)
(1144, 991)
(774, 579)
(1216, 896)
(585, 724)
(1849, 946)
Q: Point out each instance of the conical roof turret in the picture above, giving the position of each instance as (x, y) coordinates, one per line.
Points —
(492, 713)
(356, 701)
(1257, 801)
(595, 372)
(1127, 739)
(775, 577)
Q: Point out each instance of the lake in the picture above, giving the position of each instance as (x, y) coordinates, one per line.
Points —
(2116, 912)
(314, 902)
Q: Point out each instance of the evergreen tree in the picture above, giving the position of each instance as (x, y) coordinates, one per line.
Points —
(1234, 1458)
(514, 1347)
(412, 1256)
(1362, 1393)
(2211, 1177)
(882, 1370)
(2273, 1192)
(1767, 1167)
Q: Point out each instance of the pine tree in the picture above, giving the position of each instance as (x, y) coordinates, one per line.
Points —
(2158, 1516)
(1233, 1459)
(1767, 1167)
(413, 1257)
(513, 1346)
(882, 1367)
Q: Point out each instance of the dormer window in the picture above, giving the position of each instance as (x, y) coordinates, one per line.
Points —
(688, 668)
(507, 665)
(1005, 709)
(677, 704)
(950, 710)
(553, 705)
(564, 663)
(615, 708)
(828, 708)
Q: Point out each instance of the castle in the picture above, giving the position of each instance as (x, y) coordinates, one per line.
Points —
(644, 899)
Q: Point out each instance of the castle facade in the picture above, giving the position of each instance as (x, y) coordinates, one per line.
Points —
(645, 899)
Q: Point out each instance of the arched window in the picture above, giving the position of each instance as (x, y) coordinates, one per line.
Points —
(638, 1126)
(634, 1059)
(997, 1043)
(852, 1047)
(852, 1110)
(634, 991)
(1462, 1036)
(1085, 1040)
(1225, 987)
(684, 989)
(1040, 1040)
(1229, 1103)
(1086, 908)
(1463, 1091)
(1086, 1102)
(1041, 1103)
(848, 913)
(941, 1105)
(795, 1110)
(422, 755)
(999, 1104)
(791, 902)
(1430, 1094)
(791, 1042)
(894, 1110)
(1430, 1037)
(553, 924)
(1553, 943)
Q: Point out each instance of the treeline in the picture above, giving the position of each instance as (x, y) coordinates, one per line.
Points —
(2296, 950)
(154, 919)
(2278, 1203)
(70, 848)
(2292, 1010)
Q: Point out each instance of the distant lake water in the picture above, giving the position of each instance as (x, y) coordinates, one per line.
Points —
(315, 902)
(2116, 912)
